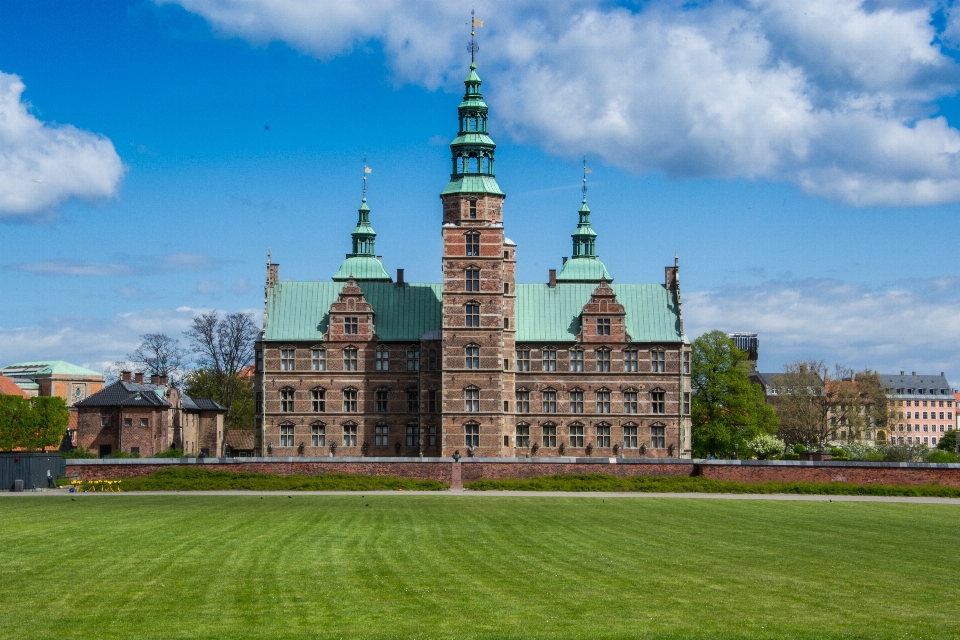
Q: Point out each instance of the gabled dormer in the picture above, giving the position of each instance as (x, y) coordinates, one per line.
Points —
(351, 316)
(603, 319)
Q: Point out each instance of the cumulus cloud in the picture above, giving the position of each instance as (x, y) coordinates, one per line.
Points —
(197, 262)
(44, 164)
(836, 96)
(912, 326)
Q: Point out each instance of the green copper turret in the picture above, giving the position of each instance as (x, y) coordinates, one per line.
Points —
(362, 264)
(584, 266)
(472, 150)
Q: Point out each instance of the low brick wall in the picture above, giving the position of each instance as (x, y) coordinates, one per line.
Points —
(892, 473)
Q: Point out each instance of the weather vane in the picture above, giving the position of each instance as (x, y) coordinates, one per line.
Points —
(586, 170)
(473, 47)
(366, 170)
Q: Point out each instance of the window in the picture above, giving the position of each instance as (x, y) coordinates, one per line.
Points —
(144, 422)
(381, 435)
(472, 399)
(413, 435)
(576, 436)
(318, 400)
(286, 400)
(413, 404)
(549, 436)
(471, 278)
(473, 244)
(471, 315)
(506, 323)
(686, 404)
(686, 362)
(550, 401)
(603, 401)
(104, 421)
(413, 359)
(657, 362)
(603, 326)
(287, 359)
(350, 400)
(286, 435)
(383, 359)
(630, 359)
(576, 360)
(473, 357)
(523, 359)
(351, 326)
(630, 402)
(506, 287)
(473, 203)
(658, 436)
(523, 401)
(506, 364)
(432, 359)
(258, 402)
(259, 360)
(471, 434)
(431, 401)
(630, 437)
(128, 422)
(658, 404)
(432, 436)
(549, 359)
(603, 436)
(381, 401)
(603, 360)
(576, 401)
(318, 360)
(350, 359)
(523, 435)
(349, 434)
(318, 435)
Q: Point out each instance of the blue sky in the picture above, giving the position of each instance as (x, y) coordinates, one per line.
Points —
(803, 158)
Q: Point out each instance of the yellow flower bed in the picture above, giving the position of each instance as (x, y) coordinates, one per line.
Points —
(96, 485)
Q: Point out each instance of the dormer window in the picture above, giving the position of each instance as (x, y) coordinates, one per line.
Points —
(603, 326)
(351, 326)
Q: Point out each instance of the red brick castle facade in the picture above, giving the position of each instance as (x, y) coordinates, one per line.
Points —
(364, 365)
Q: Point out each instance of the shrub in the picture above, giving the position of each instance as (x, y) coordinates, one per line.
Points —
(948, 442)
(799, 448)
(838, 454)
(78, 453)
(122, 454)
(791, 456)
(188, 478)
(170, 453)
(943, 456)
(766, 447)
(860, 451)
(905, 453)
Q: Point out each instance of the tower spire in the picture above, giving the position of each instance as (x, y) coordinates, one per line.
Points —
(362, 263)
(584, 265)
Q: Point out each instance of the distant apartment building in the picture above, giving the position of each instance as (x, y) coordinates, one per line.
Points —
(749, 343)
(924, 406)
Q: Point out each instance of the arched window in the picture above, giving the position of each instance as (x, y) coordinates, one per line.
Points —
(472, 243)
(286, 399)
(471, 312)
(383, 358)
(472, 356)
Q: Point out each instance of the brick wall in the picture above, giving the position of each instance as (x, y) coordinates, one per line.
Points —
(475, 469)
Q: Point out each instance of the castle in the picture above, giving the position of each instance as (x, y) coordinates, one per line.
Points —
(367, 365)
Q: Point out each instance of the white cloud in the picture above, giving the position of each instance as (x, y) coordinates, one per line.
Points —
(197, 262)
(43, 164)
(72, 268)
(209, 287)
(836, 96)
(241, 286)
(913, 326)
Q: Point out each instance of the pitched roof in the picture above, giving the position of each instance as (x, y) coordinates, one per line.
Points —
(9, 388)
(47, 367)
(126, 394)
(240, 439)
(917, 385)
(584, 270)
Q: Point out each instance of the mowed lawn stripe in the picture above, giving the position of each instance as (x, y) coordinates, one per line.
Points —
(411, 566)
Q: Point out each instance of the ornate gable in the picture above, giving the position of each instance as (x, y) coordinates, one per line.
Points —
(602, 318)
(351, 316)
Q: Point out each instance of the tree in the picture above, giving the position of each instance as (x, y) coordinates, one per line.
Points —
(159, 354)
(202, 383)
(32, 424)
(948, 442)
(802, 403)
(223, 347)
(728, 411)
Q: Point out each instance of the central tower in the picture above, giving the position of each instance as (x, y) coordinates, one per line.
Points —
(479, 291)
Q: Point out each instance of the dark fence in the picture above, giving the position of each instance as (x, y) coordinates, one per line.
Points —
(31, 468)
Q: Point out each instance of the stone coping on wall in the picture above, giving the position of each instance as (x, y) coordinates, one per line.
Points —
(829, 463)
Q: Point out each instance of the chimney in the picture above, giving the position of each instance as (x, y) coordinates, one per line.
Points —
(553, 277)
(901, 373)
(942, 375)
(163, 381)
(380, 258)
(273, 274)
(399, 277)
(125, 376)
(671, 278)
(138, 378)
(154, 378)
(564, 259)
(913, 373)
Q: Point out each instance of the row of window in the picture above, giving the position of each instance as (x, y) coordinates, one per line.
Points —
(548, 357)
(381, 437)
(933, 403)
(911, 440)
(106, 421)
(916, 428)
(933, 415)
(603, 434)
(381, 401)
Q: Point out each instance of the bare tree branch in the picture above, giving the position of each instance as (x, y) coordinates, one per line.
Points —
(161, 355)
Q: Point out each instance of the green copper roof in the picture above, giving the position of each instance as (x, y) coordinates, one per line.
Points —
(299, 310)
(361, 268)
(47, 367)
(473, 184)
(472, 138)
(552, 314)
(584, 270)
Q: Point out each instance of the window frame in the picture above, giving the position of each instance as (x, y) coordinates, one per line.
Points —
(288, 399)
(350, 400)
(381, 400)
(471, 244)
(351, 359)
(350, 433)
(318, 359)
(548, 359)
(603, 360)
(576, 360)
(549, 399)
(318, 434)
(318, 400)
(575, 435)
(382, 358)
(287, 434)
(471, 279)
(471, 356)
(471, 434)
(549, 436)
(471, 399)
(576, 401)
(471, 314)
(523, 358)
(288, 359)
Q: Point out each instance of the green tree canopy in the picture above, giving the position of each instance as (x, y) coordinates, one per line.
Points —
(33, 423)
(233, 391)
(728, 411)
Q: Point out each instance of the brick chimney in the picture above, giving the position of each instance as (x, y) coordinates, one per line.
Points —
(399, 277)
(553, 277)
(154, 378)
(138, 378)
(125, 376)
(670, 278)
(163, 381)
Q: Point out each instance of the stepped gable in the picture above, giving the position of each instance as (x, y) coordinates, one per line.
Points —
(351, 316)
(603, 318)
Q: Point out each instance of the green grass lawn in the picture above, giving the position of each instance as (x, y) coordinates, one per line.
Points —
(386, 566)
